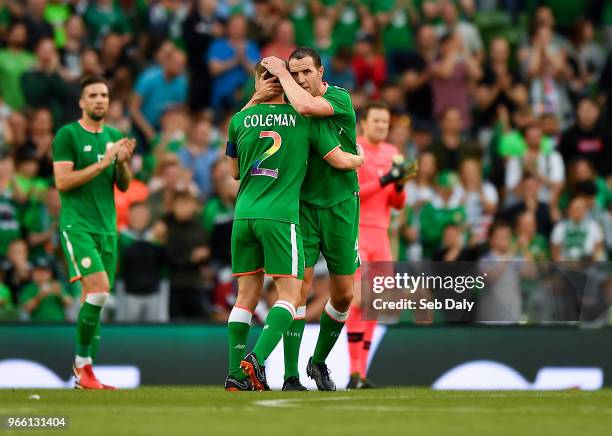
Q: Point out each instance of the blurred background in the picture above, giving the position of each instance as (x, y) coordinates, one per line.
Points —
(506, 104)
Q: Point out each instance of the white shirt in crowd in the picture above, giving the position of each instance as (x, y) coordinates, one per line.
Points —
(577, 240)
(550, 165)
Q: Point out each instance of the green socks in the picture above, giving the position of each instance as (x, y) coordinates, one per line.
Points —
(87, 324)
(292, 339)
(332, 322)
(238, 326)
(277, 322)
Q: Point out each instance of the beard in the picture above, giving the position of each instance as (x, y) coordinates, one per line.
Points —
(96, 116)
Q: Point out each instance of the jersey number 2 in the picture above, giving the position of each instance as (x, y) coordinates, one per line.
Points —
(276, 145)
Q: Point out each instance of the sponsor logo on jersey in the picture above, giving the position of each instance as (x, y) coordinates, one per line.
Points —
(87, 147)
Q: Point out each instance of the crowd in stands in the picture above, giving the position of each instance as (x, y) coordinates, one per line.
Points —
(506, 104)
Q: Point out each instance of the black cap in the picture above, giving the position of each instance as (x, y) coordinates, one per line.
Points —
(43, 262)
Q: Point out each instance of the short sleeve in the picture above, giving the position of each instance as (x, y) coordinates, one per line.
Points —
(322, 141)
(340, 102)
(557, 170)
(63, 147)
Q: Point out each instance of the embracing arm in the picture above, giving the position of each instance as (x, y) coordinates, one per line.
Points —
(301, 100)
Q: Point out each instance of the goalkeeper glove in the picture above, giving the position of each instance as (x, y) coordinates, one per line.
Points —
(400, 172)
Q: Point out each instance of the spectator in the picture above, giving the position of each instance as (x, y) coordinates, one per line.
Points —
(31, 187)
(479, 199)
(15, 60)
(116, 66)
(396, 19)
(16, 268)
(577, 237)
(200, 28)
(70, 53)
(40, 140)
(414, 69)
(500, 85)
(10, 228)
(502, 301)
(102, 17)
(529, 201)
(452, 74)
(165, 19)
(419, 192)
(530, 243)
(589, 138)
(170, 178)
(34, 19)
(340, 72)
(443, 209)
(582, 179)
(137, 192)
(43, 85)
(188, 244)
(467, 32)
(546, 69)
(231, 61)
(142, 260)
(453, 246)
(324, 42)
(198, 157)
(586, 57)
(218, 214)
(545, 164)
(41, 225)
(369, 66)
(283, 41)
(451, 148)
(157, 91)
(44, 299)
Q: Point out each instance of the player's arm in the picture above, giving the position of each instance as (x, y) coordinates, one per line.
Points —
(268, 88)
(66, 178)
(123, 174)
(301, 100)
(342, 160)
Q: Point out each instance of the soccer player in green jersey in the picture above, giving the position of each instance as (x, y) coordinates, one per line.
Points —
(89, 159)
(268, 147)
(329, 209)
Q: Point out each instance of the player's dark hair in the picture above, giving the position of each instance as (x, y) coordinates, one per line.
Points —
(305, 52)
(92, 80)
(375, 105)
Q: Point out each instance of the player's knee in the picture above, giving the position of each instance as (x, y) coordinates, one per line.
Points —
(97, 298)
(341, 300)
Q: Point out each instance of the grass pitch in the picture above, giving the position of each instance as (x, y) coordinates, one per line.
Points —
(401, 411)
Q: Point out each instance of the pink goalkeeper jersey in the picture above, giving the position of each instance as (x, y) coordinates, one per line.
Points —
(376, 201)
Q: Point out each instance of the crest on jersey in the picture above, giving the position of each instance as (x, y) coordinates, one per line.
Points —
(86, 262)
(87, 147)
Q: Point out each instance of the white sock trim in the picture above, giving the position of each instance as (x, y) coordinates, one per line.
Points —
(97, 298)
(286, 305)
(80, 361)
(238, 314)
(300, 313)
(334, 314)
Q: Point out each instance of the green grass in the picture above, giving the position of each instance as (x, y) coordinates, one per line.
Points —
(402, 411)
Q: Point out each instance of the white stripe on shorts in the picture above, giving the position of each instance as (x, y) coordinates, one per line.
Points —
(71, 254)
(294, 252)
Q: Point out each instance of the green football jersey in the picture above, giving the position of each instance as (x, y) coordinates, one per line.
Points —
(272, 143)
(325, 186)
(90, 207)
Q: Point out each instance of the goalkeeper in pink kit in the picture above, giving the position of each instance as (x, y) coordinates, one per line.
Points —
(381, 183)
